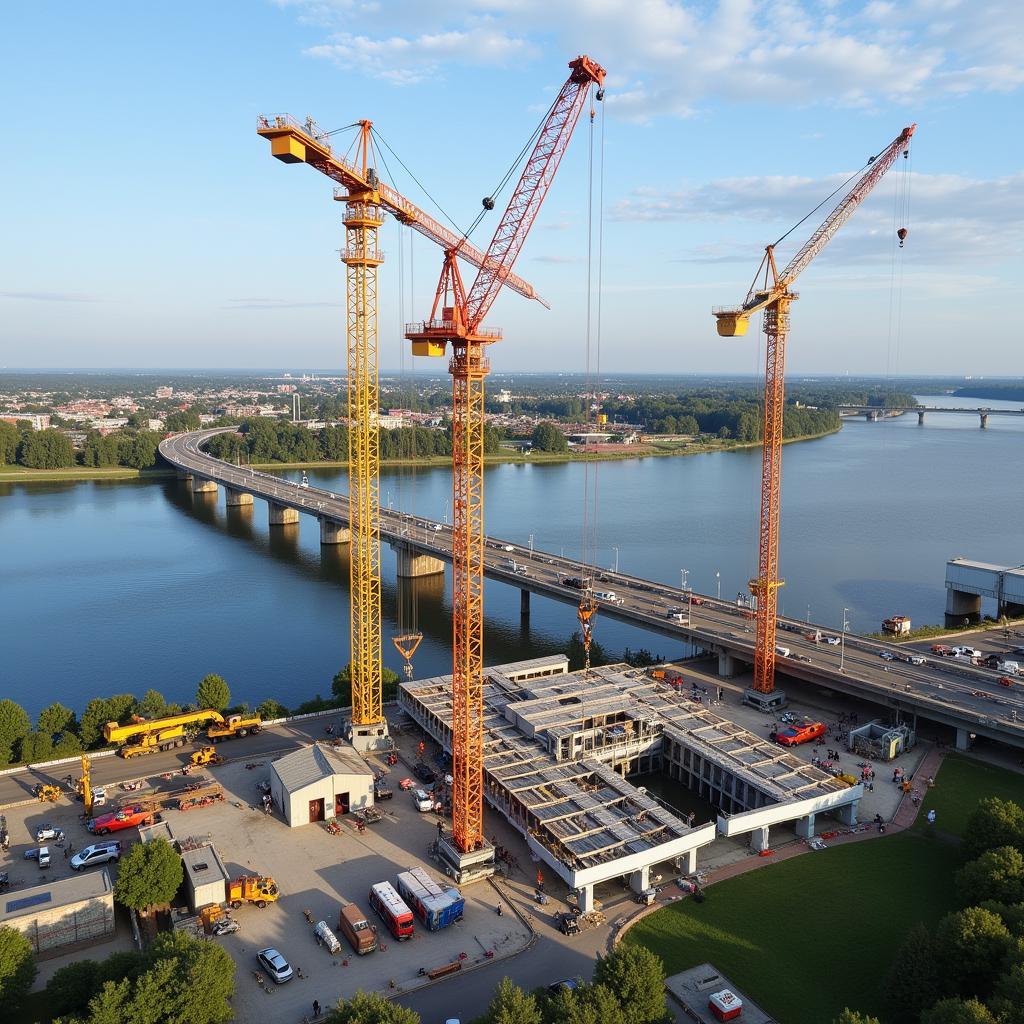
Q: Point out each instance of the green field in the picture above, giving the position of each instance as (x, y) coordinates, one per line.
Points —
(960, 784)
(808, 936)
(19, 474)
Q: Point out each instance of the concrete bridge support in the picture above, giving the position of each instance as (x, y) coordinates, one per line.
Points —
(334, 533)
(640, 880)
(920, 417)
(235, 498)
(847, 814)
(689, 862)
(805, 827)
(411, 564)
(963, 739)
(201, 486)
(871, 415)
(524, 603)
(726, 665)
(184, 475)
(281, 515)
(962, 607)
(585, 899)
(759, 839)
(984, 420)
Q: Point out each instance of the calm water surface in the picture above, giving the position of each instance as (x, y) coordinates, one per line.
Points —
(116, 587)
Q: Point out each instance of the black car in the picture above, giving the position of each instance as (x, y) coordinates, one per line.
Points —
(573, 581)
(423, 772)
(382, 791)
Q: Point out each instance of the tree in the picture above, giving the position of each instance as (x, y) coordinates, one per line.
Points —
(913, 978)
(588, 1004)
(1007, 1003)
(179, 422)
(996, 875)
(213, 692)
(958, 1011)
(370, 1008)
(35, 747)
(139, 420)
(46, 449)
(152, 705)
(150, 874)
(55, 719)
(101, 710)
(341, 685)
(574, 652)
(14, 723)
(637, 977)
(547, 437)
(852, 1017)
(993, 823)
(969, 949)
(270, 709)
(9, 438)
(71, 988)
(511, 1005)
(189, 979)
(17, 967)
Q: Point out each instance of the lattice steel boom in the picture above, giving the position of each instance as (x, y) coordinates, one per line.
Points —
(774, 297)
(456, 319)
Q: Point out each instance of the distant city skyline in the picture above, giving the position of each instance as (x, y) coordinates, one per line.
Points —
(149, 226)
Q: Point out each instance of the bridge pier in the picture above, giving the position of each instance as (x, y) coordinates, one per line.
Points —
(524, 603)
(871, 415)
(183, 474)
(805, 826)
(984, 420)
(334, 533)
(726, 665)
(920, 417)
(281, 515)
(963, 739)
(962, 607)
(759, 839)
(640, 880)
(847, 813)
(234, 498)
(411, 564)
(690, 862)
(201, 486)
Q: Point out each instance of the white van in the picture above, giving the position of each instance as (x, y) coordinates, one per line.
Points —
(421, 801)
(608, 595)
(1011, 668)
(967, 652)
(783, 652)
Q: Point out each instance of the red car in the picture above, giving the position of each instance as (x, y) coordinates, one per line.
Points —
(127, 817)
(1005, 681)
(794, 735)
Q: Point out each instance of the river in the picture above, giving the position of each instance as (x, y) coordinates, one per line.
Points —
(113, 587)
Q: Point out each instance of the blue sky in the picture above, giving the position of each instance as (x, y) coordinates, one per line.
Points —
(146, 224)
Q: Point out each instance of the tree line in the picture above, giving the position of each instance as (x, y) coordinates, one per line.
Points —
(52, 448)
(970, 968)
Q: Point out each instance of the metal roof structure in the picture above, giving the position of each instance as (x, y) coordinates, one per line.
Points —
(315, 762)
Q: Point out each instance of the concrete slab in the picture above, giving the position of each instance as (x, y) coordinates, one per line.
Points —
(691, 989)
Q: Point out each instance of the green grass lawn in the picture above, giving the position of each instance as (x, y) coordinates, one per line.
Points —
(960, 784)
(808, 936)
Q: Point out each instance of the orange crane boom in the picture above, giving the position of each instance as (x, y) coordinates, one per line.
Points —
(456, 319)
(775, 297)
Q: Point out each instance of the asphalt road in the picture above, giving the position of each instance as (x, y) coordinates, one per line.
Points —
(954, 692)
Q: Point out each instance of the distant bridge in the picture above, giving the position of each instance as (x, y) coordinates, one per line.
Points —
(967, 698)
(872, 413)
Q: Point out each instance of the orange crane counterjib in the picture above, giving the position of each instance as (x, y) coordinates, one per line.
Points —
(291, 144)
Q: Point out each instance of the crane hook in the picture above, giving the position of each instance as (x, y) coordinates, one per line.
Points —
(600, 95)
(488, 202)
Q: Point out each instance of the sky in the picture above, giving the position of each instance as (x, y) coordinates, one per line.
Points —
(146, 224)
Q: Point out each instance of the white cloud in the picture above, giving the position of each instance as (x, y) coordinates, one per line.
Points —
(670, 56)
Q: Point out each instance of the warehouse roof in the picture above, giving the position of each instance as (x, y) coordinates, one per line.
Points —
(310, 764)
(203, 866)
(61, 892)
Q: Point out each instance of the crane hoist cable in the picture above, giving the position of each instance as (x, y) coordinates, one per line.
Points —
(588, 606)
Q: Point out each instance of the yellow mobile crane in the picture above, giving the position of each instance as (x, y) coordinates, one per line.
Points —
(145, 736)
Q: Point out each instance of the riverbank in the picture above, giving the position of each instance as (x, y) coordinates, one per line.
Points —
(23, 474)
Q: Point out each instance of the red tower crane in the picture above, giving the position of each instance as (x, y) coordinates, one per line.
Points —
(774, 297)
(456, 319)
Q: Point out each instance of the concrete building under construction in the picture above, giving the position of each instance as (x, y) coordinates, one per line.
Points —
(558, 746)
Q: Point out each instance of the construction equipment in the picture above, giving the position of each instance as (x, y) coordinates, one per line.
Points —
(148, 735)
(256, 889)
(84, 785)
(366, 199)
(47, 793)
(774, 296)
(206, 755)
(456, 319)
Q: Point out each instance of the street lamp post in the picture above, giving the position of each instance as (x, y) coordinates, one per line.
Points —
(683, 573)
(842, 641)
(718, 581)
(616, 550)
(531, 545)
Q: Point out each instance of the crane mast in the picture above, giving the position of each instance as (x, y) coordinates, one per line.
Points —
(774, 296)
(366, 200)
(456, 320)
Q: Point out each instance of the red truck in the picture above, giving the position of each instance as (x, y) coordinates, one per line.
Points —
(127, 817)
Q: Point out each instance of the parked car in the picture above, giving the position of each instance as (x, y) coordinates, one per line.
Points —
(99, 797)
(40, 854)
(794, 735)
(942, 649)
(967, 652)
(127, 817)
(98, 853)
(422, 801)
(46, 833)
(275, 965)
(382, 791)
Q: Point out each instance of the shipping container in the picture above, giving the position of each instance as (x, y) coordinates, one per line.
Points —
(436, 904)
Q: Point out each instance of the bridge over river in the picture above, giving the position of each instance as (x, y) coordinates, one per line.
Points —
(964, 697)
(872, 413)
